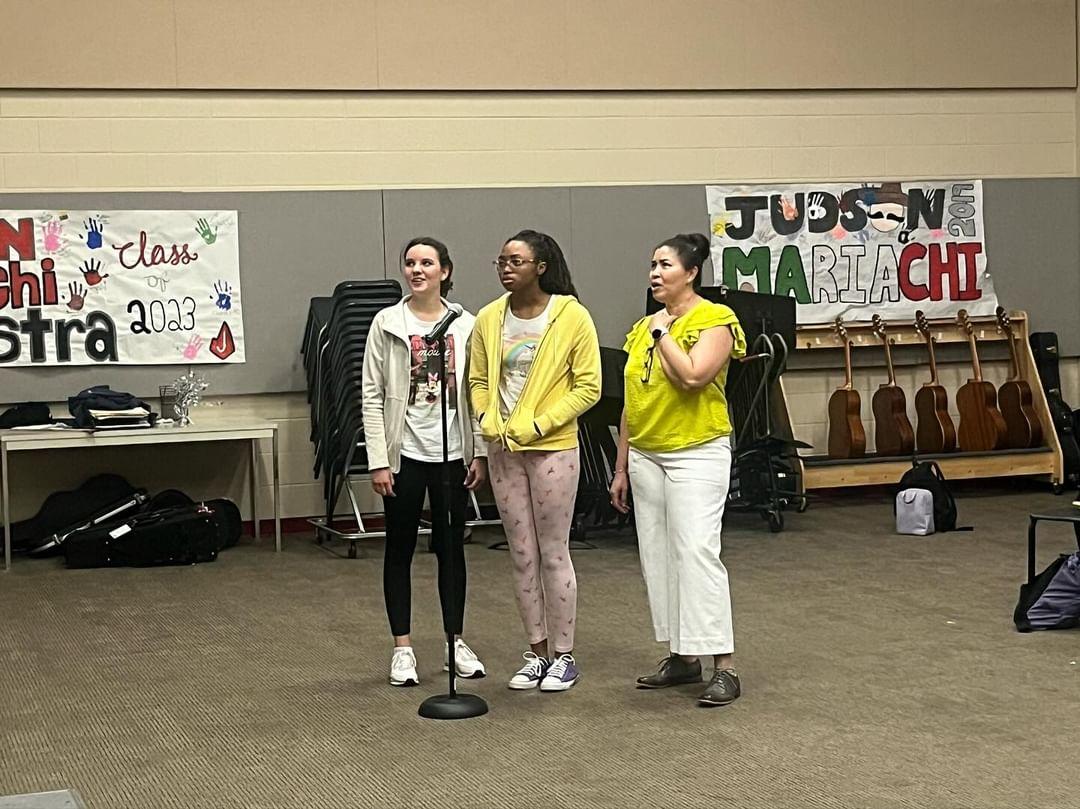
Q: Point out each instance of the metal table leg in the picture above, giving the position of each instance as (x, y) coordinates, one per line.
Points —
(277, 495)
(1032, 522)
(7, 507)
(255, 487)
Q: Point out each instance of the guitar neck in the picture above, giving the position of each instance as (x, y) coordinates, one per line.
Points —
(1014, 361)
(933, 360)
(847, 365)
(975, 357)
(888, 360)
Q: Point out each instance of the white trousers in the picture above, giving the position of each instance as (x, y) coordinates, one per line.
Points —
(678, 507)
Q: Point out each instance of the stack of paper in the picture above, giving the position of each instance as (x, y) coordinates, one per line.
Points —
(131, 418)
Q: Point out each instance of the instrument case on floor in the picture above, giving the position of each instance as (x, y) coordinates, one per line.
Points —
(107, 515)
(64, 511)
(179, 535)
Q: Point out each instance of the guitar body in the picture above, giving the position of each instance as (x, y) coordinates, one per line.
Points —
(982, 427)
(934, 431)
(1022, 427)
(847, 438)
(892, 430)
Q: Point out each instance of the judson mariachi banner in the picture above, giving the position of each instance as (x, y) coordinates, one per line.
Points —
(120, 287)
(855, 249)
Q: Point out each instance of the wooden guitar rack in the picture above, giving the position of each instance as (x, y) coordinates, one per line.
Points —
(821, 472)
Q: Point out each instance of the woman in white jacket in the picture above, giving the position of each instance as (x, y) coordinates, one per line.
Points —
(403, 433)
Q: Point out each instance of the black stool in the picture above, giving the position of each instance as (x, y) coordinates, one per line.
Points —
(1070, 517)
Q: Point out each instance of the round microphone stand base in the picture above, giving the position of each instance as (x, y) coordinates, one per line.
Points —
(453, 706)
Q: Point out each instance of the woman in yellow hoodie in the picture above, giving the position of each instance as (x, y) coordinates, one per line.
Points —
(534, 368)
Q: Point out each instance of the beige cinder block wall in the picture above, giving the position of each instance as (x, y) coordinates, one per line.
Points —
(75, 141)
(373, 135)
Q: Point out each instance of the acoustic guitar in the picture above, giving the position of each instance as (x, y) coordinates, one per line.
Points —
(1022, 427)
(982, 427)
(893, 434)
(934, 431)
(847, 438)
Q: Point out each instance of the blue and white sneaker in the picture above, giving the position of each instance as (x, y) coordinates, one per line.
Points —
(530, 675)
(562, 674)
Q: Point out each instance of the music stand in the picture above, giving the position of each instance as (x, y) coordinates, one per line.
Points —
(758, 313)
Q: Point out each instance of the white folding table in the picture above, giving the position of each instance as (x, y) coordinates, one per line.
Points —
(12, 441)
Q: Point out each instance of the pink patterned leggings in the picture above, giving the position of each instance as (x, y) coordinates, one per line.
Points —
(535, 492)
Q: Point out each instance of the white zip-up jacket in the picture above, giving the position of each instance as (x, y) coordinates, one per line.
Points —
(387, 360)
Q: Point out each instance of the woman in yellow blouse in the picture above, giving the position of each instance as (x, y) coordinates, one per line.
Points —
(674, 448)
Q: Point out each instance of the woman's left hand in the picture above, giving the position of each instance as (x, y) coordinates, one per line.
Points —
(661, 320)
(477, 474)
(620, 489)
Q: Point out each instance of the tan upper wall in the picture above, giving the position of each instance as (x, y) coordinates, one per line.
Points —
(527, 45)
(83, 141)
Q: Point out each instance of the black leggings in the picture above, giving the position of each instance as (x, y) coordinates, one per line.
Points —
(403, 521)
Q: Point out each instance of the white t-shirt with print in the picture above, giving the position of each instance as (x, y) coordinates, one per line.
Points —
(520, 337)
(422, 438)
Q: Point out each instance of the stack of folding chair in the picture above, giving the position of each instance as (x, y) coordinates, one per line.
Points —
(314, 331)
(333, 351)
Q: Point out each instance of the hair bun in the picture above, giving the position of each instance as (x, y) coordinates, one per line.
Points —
(700, 244)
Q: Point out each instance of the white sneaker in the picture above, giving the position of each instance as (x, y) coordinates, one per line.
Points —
(466, 662)
(529, 675)
(403, 667)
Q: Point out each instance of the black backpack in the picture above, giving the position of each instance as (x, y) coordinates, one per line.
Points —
(927, 475)
(1052, 599)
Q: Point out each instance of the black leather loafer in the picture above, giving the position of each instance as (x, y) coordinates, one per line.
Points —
(673, 670)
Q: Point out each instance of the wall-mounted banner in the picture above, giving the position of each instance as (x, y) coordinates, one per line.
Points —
(120, 287)
(855, 249)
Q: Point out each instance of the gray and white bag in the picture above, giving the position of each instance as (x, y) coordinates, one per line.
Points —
(915, 512)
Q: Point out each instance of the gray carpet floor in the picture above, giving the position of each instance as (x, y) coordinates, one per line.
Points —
(879, 671)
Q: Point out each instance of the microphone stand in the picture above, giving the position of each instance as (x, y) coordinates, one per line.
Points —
(450, 705)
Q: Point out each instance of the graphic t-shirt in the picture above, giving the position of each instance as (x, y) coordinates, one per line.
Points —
(422, 438)
(520, 338)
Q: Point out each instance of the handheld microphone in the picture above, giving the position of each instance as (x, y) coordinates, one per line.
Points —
(453, 312)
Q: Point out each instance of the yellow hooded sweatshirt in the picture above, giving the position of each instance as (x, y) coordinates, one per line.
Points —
(563, 382)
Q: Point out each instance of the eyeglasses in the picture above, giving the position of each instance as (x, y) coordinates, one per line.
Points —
(517, 262)
(647, 370)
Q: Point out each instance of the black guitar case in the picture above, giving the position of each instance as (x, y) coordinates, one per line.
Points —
(63, 512)
(50, 545)
(114, 512)
(1044, 345)
(178, 535)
